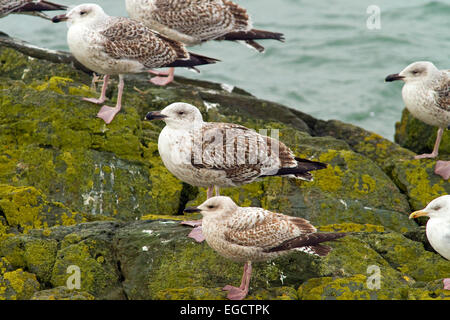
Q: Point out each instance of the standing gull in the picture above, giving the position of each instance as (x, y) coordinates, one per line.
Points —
(30, 7)
(254, 234)
(214, 154)
(117, 46)
(426, 94)
(438, 227)
(196, 21)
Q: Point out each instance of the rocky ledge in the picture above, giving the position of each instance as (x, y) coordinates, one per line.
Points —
(88, 211)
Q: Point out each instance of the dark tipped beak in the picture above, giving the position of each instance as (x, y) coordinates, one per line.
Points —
(155, 115)
(393, 77)
(61, 17)
(192, 209)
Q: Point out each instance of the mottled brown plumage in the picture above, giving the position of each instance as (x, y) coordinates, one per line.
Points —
(249, 234)
(195, 21)
(28, 7)
(129, 39)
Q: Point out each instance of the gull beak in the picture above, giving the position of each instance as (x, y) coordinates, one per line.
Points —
(192, 210)
(417, 214)
(61, 17)
(155, 115)
(394, 77)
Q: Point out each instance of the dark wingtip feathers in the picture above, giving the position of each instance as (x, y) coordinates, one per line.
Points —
(311, 240)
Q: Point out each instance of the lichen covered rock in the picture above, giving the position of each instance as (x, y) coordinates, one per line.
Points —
(419, 137)
(88, 204)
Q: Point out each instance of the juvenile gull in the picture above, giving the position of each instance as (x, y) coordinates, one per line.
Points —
(31, 7)
(117, 46)
(196, 21)
(254, 234)
(438, 227)
(426, 94)
(208, 154)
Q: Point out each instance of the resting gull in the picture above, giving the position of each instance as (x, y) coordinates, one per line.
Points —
(438, 227)
(117, 46)
(426, 94)
(196, 21)
(31, 7)
(214, 154)
(254, 234)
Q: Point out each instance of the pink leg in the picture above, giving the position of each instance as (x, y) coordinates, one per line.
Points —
(447, 284)
(435, 152)
(240, 293)
(162, 81)
(103, 95)
(108, 113)
(442, 169)
(196, 233)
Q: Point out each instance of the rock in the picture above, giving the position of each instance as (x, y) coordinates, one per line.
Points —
(18, 285)
(417, 179)
(26, 208)
(61, 293)
(419, 137)
(78, 197)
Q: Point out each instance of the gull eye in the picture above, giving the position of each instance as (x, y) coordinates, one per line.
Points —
(82, 13)
(436, 208)
(180, 112)
(210, 207)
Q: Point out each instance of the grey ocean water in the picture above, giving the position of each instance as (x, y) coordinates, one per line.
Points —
(331, 65)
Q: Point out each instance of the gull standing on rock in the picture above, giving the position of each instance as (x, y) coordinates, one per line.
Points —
(196, 21)
(214, 154)
(254, 234)
(426, 94)
(30, 7)
(438, 227)
(118, 46)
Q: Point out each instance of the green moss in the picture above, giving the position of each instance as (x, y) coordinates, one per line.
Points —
(415, 135)
(191, 293)
(349, 288)
(98, 275)
(61, 293)
(417, 179)
(26, 208)
(40, 257)
(409, 257)
(18, 285)
(5, 266)
(351, 227)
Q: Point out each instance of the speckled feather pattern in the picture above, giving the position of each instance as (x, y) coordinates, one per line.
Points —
(125, 38)
(117, 45)
(247, 233)
(11, 6)
(190, 21)
(248, 155)
(429, 101)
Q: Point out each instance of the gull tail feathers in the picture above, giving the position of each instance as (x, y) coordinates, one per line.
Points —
(192, 61)
(311, 241)
(41, 6)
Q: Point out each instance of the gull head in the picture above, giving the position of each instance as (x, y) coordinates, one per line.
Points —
(177, 115)
(416, 71)
(215, 206)
(83, 13)
(438, 208)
